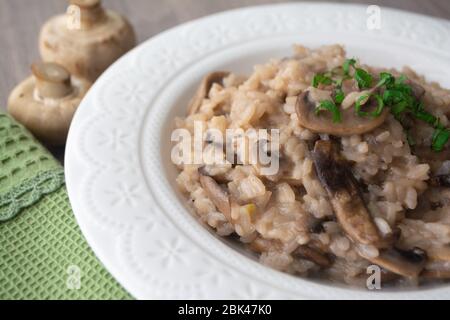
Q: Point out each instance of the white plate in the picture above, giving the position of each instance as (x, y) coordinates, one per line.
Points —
(118, 170)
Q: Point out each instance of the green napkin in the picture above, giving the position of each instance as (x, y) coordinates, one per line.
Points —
(43, 254)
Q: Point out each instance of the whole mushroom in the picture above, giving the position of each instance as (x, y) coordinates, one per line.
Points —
(46, 101)
(87, 39)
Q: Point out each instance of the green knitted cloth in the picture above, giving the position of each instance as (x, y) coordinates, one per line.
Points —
(43, 254)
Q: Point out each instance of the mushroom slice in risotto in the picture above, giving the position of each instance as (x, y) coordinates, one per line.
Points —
(408, 263)
(350, 123)
(203, 89)
(217, 195)
(345, 197)
(313, 255)
(353, 215)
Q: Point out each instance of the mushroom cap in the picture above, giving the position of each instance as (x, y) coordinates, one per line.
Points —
(86, 53)
(323, 123)
(48, 119)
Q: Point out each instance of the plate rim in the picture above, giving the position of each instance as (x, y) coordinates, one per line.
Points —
(71, 145)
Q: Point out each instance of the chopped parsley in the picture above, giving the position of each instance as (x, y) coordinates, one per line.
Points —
(328, 105)
(339, 96)
(346, 66)
(363, 78)
(389, 91)
(440, 137)
(321, 79)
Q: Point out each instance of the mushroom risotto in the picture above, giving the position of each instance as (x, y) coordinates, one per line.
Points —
(363, 174)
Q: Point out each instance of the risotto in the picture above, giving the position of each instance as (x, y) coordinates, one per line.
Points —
(363, 175)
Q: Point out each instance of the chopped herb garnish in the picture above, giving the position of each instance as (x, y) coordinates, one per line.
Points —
(386, 79)
(365, 97)
(389, 91)
(329, 106)
(321, 79)
(358, 105)
(347, 64)
(363, 78)
(380, 106)
(339, 96)
(427, 117)
(440, 137)
(401, 79)
(398, 108)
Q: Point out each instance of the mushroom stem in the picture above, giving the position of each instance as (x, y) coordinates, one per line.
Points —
(90, 12)
(52, 80)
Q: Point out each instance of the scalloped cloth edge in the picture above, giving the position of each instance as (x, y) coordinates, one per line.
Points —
(29, 192)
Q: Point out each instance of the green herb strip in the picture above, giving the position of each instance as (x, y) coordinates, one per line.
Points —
(440, 137)
(397, 94)
(328, 105)
(347, 64)
(363, 78)
(321, 79)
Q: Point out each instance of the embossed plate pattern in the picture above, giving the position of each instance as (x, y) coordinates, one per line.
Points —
(118, 170)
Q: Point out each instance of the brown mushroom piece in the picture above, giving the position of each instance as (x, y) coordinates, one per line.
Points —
(87, 39)
(350, 124)
(344, 194)
(46, 101)
(354, 217)
(408, 263)
(217, 195)
(312, 254)
(203, 90)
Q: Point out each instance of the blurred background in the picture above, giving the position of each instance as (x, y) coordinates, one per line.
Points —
(20, 21)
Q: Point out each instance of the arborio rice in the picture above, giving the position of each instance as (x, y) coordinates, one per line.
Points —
(364, 171)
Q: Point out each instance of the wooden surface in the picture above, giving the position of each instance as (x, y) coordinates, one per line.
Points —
(20, 21)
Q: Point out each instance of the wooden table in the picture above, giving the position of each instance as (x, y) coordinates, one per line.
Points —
(20, 21)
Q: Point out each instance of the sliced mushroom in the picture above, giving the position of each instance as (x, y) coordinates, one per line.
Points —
(217, 195)
(313, 255)
(388, 276)
(354, 217)
(203, 89)
(408, 263)
(344, 194)
(350, 123)
(261, 245)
